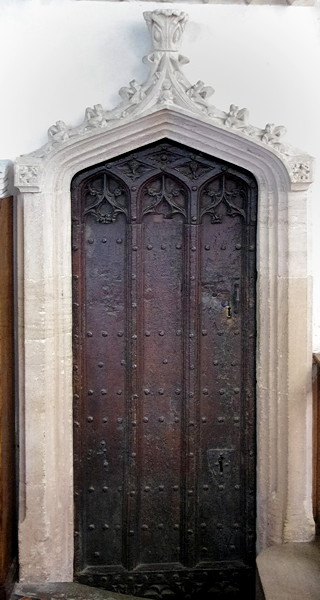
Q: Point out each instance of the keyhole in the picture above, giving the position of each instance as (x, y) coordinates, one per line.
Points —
(220, 461)
(226, 305)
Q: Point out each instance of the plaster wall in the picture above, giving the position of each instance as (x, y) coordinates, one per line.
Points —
(60, 56)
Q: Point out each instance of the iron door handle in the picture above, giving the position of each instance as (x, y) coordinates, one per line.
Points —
(236, 298)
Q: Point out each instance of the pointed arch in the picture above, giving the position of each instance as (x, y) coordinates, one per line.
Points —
(283, 324)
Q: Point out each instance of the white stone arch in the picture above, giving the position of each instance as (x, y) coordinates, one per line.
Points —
(284, 462)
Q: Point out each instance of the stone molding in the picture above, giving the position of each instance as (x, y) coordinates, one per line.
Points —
(259, 2)
(284, 461)
(165, 87)
(6, 178)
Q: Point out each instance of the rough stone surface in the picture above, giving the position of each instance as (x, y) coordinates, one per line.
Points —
(291, 571)
(65, 591)
(75, 591)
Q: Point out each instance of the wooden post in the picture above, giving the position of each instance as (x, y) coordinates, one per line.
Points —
(7, 412)
(316, 440)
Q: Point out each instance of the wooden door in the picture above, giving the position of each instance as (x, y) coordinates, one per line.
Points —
(164, 374)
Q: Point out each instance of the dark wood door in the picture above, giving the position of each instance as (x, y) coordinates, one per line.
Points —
(164, 374)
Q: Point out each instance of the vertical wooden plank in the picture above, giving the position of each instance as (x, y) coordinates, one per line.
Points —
(316, 439)
(7, 415)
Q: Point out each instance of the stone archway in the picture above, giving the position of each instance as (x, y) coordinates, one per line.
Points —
(171, 109)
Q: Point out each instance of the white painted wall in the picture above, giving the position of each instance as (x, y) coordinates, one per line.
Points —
(60, 56)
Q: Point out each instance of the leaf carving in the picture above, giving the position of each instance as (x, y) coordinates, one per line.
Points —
(224, 196)
(107, 205)
(164, 189)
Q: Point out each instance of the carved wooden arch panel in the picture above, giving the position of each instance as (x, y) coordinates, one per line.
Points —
(164, 374)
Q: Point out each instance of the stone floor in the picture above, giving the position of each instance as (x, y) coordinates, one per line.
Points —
(64, 591)
(75, 591)
(291, 571)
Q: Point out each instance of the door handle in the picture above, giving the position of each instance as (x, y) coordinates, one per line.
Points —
(236, 298)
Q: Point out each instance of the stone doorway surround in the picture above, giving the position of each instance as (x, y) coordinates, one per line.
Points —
(165, 106)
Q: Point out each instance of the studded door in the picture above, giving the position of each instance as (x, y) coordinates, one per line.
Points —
(164, 374)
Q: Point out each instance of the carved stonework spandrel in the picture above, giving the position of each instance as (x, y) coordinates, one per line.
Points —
(167, 87)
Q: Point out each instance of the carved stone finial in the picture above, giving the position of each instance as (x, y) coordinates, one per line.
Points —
(166, 27)
(166, 87)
